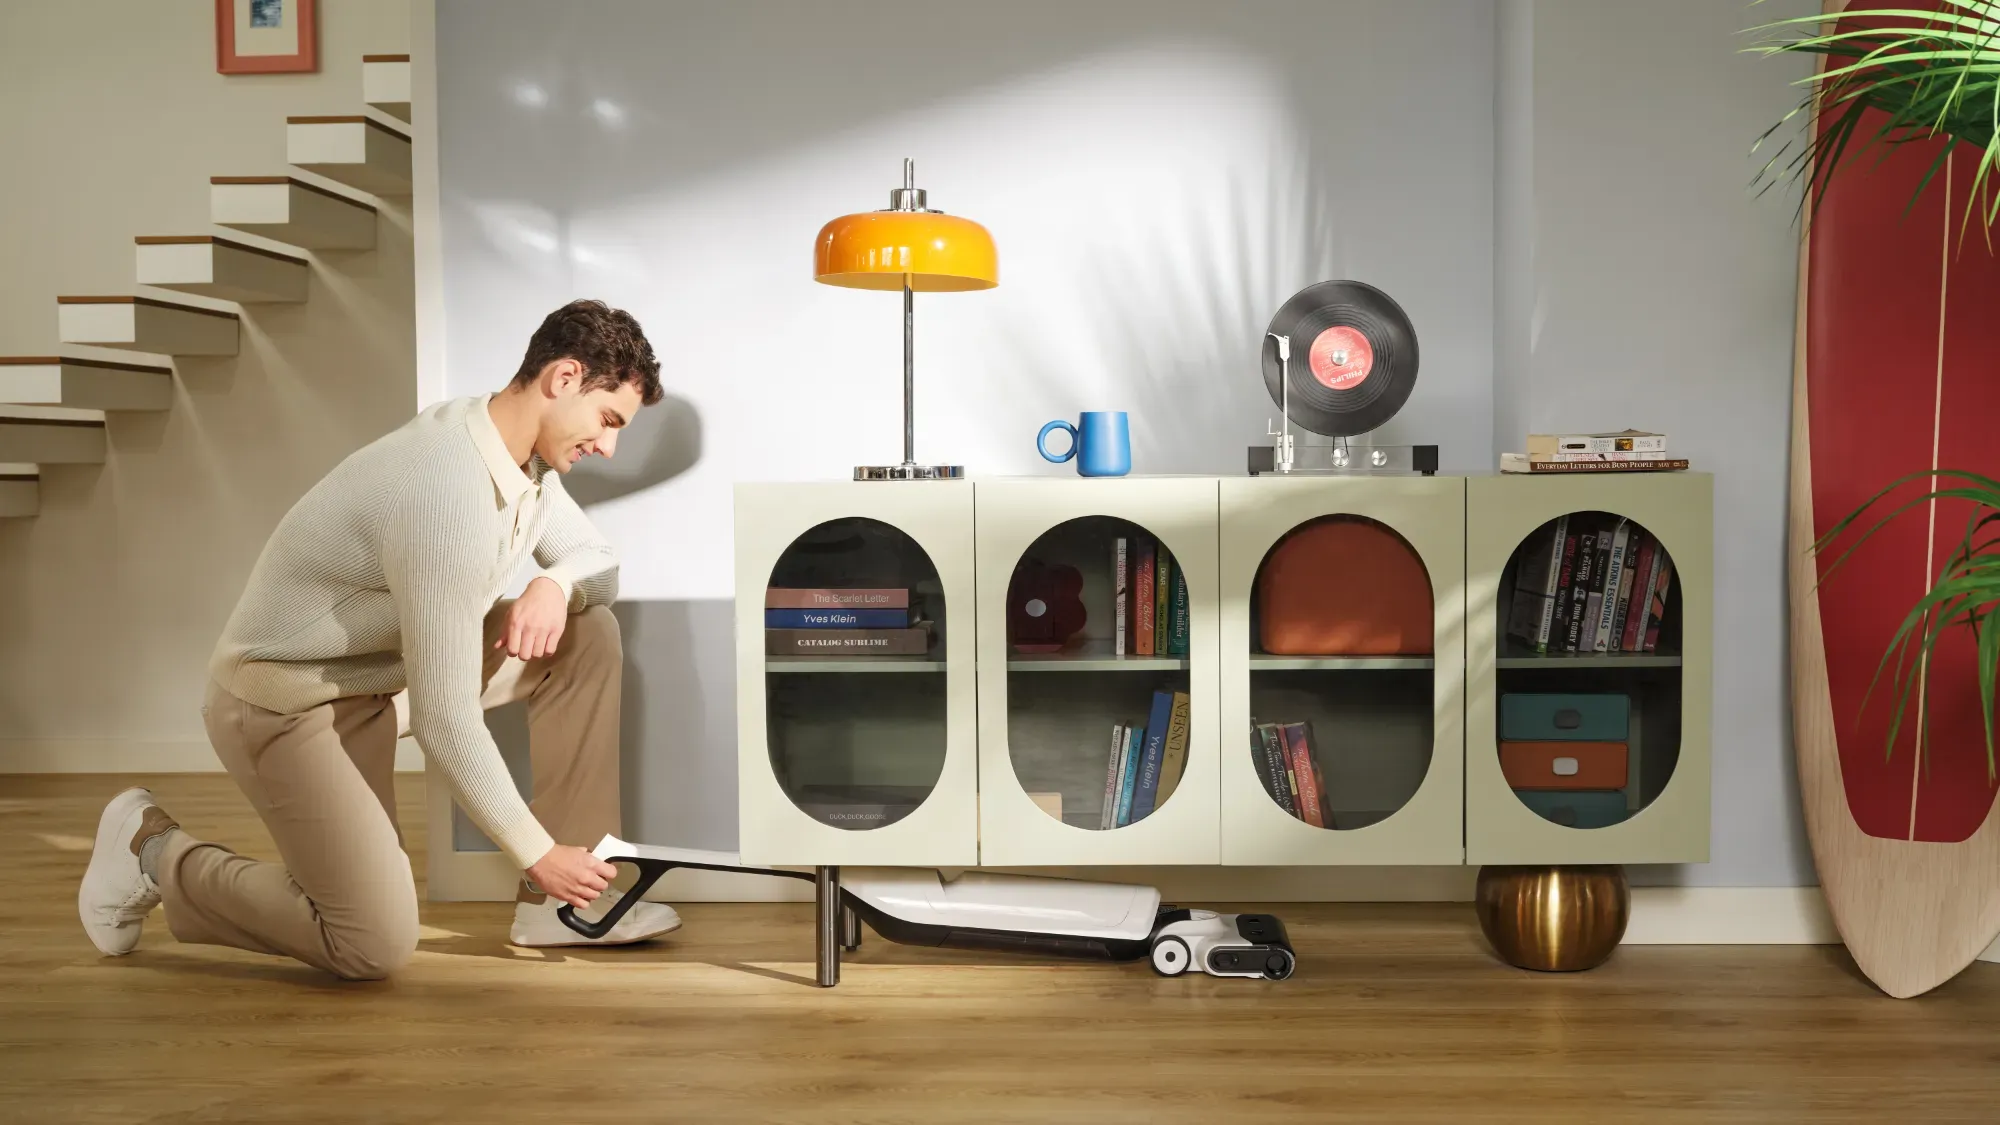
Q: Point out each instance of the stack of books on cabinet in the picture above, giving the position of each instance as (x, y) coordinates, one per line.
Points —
(842, 623)
(1628, 451)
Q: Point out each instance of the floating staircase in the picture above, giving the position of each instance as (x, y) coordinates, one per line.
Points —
(218, 267)
(89, 384)
(291, 211)
(53, 408)
(360, 152)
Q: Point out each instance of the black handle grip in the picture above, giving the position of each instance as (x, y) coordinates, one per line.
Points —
(650, 871)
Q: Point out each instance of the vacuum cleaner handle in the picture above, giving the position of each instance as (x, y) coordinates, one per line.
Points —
(650, 871)
(652, 863)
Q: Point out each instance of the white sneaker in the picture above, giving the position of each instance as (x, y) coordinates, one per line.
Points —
(536, 924)
(116, 896)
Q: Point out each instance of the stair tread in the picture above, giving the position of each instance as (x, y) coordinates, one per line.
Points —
(347, 119)
(74, 361)
(154, 301)
(200, 239)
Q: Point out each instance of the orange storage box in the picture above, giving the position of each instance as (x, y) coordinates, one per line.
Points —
(1344, 586)
(1563, 765)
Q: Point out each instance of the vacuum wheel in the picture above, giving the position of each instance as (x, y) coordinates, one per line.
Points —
(1171, 957)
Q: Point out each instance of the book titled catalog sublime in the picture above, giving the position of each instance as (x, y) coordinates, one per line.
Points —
(847, 642)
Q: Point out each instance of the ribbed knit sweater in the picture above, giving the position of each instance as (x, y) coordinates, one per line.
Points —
(381, 576)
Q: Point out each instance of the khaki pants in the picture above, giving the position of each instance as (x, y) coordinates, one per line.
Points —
(344, 900)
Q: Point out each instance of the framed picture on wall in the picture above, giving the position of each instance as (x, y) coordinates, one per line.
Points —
(266, 36)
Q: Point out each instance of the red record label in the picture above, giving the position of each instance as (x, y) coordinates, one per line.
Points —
(1341, 358)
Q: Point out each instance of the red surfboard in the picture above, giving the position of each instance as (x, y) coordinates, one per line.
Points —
(1896, 370)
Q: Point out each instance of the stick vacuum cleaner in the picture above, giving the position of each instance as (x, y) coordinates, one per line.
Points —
(982, 910)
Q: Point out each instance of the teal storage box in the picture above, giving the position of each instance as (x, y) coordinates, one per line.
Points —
(1576, 808)
(1537, 717)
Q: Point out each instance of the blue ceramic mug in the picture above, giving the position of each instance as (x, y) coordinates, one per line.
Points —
(1100, 442)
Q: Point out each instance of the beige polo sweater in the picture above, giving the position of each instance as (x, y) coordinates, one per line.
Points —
(381, 576)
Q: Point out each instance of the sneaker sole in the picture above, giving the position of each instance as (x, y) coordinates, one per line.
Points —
(116, 813)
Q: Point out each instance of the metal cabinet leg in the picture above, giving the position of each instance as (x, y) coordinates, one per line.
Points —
(826, 923)
(850, 929)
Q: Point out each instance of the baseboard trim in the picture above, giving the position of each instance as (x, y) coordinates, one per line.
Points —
(124, 755)
(1730, 916)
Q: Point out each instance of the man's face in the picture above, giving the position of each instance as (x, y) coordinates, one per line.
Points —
(584, 422)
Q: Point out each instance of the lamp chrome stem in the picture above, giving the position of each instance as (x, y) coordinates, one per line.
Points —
(909, 374)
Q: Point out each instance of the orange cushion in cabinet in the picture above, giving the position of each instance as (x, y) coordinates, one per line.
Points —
(1344, 587)
(1563, 765)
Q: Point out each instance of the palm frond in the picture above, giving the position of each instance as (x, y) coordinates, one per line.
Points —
(1966, 592)
(1929, 73)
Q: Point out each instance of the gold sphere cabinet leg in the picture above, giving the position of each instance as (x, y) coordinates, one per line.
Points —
(1554, 918)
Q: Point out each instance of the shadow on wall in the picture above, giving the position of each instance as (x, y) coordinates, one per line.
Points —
(663, 442)
(677, 728)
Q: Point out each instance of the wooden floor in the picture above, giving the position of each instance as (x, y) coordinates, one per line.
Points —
(1397, 1014)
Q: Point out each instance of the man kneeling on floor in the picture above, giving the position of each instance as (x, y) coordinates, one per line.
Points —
(385, 577)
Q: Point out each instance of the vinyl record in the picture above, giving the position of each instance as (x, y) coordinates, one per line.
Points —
(1354, 357)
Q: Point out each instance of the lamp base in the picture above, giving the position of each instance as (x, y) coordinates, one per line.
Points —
(909, 471)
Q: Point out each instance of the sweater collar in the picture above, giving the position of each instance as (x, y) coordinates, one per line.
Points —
(507, 476)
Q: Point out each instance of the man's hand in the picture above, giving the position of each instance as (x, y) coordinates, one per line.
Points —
(572, 875)
(535, 622)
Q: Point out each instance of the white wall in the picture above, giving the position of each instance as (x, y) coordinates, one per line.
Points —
(111, 599)
(1650, 289)
(1159, 178)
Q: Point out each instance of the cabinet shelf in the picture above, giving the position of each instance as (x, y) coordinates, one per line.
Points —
(1093, 656)
(1261, 662)
(1589, 660)
(790, 664)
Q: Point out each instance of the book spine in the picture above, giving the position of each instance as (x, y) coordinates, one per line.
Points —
(1277, 768)
(1129, 784)
(1319, 775)
(1302, 772)
(1107, 814)
(1163, 601)
(1601, 566)
(1124, 752)
(1565, 581)
(1671, 463)
(1642, 598)
(1550, 577)
(1174, 760)
(784, 597)
(1636, 576)
(1118, 597)
(1653, 455)
(1142, 600)
(1614, 576)
(846, 642)
(1579, 594)
(1658, 603)
(1148, 791)
(836, 618)
(1180, 647)
(1597, 443)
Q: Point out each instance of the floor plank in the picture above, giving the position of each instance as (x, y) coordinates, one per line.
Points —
(1398, 1013)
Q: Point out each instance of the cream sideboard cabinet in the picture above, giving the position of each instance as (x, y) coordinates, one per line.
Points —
(976, 750)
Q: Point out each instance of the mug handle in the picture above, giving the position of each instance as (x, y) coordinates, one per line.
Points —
(1041, 441)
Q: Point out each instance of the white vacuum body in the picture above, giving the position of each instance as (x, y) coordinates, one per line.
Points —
(985, 910)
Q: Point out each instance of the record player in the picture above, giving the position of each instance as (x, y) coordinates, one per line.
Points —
(1339, 359)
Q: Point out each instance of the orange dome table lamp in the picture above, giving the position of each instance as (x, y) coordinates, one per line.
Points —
(917, 250)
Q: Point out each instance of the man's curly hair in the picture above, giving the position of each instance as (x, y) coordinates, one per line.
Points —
(608, 342)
